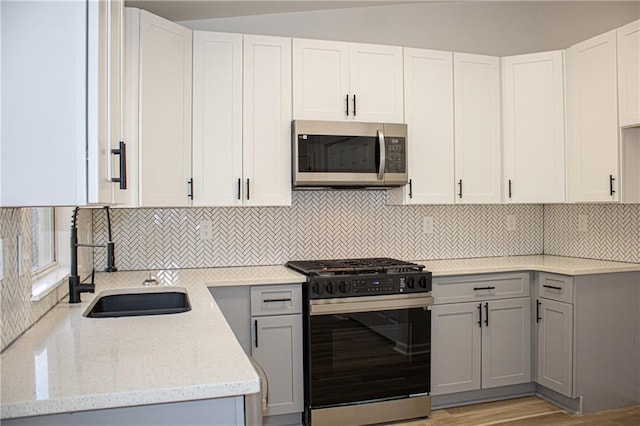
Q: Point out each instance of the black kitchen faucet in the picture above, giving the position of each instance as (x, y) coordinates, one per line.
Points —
(76, 287)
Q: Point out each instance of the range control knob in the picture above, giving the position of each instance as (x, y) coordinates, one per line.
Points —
(411, 282)
(331, 287)
(317, 288)
(423, 282)
(345, 287)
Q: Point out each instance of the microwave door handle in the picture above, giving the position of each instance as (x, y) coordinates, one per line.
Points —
(383, 151)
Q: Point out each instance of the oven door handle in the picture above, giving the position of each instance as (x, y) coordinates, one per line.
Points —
(349, 305)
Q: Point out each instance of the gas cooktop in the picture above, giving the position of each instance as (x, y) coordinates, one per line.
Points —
(372, 265)
(357, 277)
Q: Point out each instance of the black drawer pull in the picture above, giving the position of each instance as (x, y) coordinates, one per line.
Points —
(276, 300)
(553, 287)
(538, 317)
(484, 288)
(480, 315)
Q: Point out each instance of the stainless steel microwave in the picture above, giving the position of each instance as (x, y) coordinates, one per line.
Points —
(348, 154)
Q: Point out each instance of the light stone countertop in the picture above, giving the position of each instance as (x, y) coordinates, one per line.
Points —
(542, 263)
(67, 362)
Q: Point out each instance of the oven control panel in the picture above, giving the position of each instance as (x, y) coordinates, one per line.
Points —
(368, 285)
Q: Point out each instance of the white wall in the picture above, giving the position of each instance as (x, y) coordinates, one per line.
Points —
(493, 28)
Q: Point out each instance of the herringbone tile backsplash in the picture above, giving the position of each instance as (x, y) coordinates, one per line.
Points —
(319, 224)
(612, 232)
(17, 311)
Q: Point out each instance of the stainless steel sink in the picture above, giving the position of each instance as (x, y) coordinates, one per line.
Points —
(129, 302)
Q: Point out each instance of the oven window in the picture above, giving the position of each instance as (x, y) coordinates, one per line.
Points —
(370, 355)
(338, 154)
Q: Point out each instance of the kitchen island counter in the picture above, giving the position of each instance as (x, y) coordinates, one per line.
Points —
(67, 362)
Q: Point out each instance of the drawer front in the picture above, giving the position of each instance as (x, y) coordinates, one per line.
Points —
(469, 288)
(555, 287)
(276, 300)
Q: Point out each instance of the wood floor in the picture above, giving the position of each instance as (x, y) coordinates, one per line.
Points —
(524, 412)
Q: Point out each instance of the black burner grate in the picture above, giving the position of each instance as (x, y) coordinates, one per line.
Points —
(353, 266)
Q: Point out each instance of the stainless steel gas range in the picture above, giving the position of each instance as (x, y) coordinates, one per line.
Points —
(367, 340)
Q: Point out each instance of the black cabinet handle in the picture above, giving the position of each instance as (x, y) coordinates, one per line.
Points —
(190, 183)
(460, 188)
(410, 188)
(553, 287)
(255, 329)
(509, 188)
(248, 189)
(239, 189)
(486, 314)
(480, 315)
(354, 105)
(538, 317)
(346, 101)
(122, 152)
(276, 300)
(484, 288)
(611, 185)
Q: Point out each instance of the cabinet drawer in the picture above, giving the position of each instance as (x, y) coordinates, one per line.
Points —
(555, 287)
(469, 288)
(276, 300)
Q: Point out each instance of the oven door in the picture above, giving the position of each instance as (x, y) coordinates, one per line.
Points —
(368, 348)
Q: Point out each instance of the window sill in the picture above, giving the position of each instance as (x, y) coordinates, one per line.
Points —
(48, 282)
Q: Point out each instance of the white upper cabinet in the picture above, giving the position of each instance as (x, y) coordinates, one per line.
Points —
(159, 103)
(241, 120)
(592, 146)
(347, 81)
(428, 99)
(477, 128)
(56, 148)
(534, 132)
(217, 119)
(629, 74)
(267, 121)
(320, 79)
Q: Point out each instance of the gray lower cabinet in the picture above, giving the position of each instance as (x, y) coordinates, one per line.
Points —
(206, 412)
(267, 321)
(484, 343)
(587, 340)
(278, 349)
(554, 321)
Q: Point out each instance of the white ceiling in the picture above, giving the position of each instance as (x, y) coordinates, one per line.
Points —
(186, 10)
(498, 28)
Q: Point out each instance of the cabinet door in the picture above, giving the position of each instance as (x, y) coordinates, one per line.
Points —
(629, 74)
(428, 98)
(320, 80)
(104, 33)
(267, 121)
(533, 116)
(164, 112)
(217, 119)
(592, 148)
(555, 345)
(506, 342)
(455, 348)
(478, 161)
(44, 104)
(277, 347)
(375, 83)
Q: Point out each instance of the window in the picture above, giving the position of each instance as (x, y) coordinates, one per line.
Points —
(43, 240)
